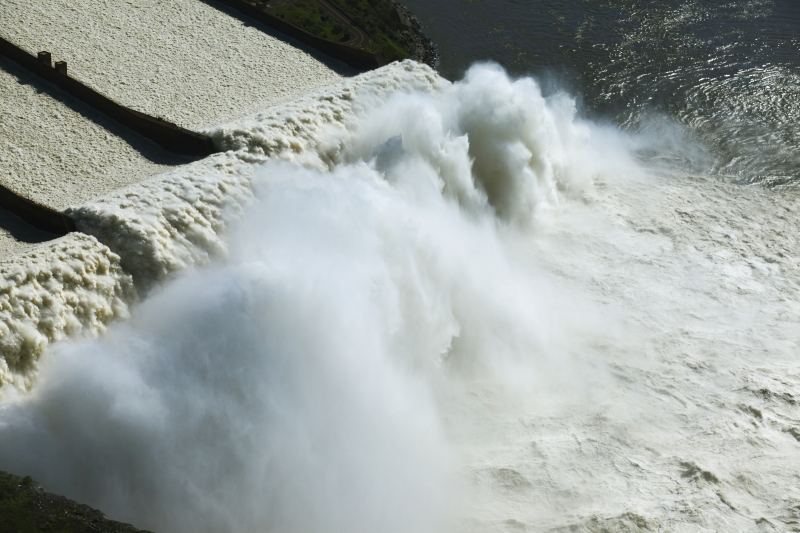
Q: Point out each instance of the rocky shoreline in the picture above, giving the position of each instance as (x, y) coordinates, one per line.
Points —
(414, 39)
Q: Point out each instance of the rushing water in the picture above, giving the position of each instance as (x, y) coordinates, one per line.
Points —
(729, 71)
(561, 303)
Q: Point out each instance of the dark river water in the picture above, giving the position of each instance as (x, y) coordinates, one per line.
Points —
(724, 75)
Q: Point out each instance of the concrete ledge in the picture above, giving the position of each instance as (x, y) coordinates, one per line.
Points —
(168, 135)
(36, 215)
(355, 57)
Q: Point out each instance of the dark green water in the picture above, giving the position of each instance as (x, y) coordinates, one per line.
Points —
(722, 75)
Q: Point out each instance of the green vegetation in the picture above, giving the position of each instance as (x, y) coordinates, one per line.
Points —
(313, 18)
(26, 508)
(379, 18)
(382, 22)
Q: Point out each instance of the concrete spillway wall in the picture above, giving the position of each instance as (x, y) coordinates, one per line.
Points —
(36, 215)
(166, 134)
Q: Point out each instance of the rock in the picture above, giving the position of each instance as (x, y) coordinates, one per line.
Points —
(25, 507)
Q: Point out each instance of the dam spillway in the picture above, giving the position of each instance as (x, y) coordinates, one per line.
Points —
(57, 151)
(401, 304)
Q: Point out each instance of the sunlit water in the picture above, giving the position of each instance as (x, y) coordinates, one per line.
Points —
(727, 70)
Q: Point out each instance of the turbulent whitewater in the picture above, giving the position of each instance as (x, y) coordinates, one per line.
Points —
(408, 305)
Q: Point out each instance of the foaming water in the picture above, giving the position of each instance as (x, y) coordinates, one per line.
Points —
(301, 380)
(261, 394)
(407, 305)
(70, 287)
(140, 236)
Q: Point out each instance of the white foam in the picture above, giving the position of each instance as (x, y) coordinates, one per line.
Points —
(70, 287)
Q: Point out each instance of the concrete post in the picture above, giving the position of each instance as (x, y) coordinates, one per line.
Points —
(45, 58)
(61, 66)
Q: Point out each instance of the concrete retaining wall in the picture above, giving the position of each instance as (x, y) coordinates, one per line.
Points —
(168, 135)
(36, 215)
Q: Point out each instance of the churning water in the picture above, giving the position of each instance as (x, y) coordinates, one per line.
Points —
(727, 71)
(411, 305)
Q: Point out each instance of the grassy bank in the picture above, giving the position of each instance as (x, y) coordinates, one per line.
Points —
(313, 18)
(380, 19)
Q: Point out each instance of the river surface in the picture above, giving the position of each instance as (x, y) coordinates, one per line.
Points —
(728, 70)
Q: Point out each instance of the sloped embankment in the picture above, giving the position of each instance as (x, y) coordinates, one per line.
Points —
(25, 507)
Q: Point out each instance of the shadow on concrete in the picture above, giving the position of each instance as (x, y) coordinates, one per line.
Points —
(335, 65)
(21, 230)
(147, 148)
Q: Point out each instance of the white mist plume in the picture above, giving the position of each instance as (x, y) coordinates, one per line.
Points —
(296, 382)
(290, 387)
(488, 138)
